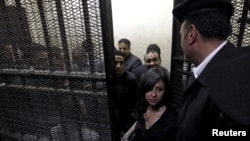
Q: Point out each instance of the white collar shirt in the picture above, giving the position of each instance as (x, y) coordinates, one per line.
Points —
(198, 70)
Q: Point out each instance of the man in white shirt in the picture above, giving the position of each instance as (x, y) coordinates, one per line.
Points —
(217, 98)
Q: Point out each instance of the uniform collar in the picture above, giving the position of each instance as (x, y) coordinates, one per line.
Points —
(198, 70)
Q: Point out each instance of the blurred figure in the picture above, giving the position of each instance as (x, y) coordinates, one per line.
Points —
(131, 61)
(11, 57)
(81, 62)
(37, 59)
(38, 56)
(51, 107)
(9, 99)
(8, 60)
(57, 59)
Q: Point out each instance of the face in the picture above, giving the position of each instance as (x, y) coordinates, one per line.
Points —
(152, 59)
(124, 48)
(187, 50)
(119, 65)
(155, 96)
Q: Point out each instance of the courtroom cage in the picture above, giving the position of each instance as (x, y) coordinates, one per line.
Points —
(57, 68)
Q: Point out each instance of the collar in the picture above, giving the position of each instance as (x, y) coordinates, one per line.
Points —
(198, 70)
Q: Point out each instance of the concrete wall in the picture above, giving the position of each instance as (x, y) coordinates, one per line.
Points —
(144, 22)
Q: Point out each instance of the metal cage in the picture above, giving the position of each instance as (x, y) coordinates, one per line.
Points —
(57, 68)
(55, 76)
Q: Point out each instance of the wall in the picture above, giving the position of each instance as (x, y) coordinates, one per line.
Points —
(144, 22)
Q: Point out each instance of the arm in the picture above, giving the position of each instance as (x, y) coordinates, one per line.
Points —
(129, 133)
(136, 64)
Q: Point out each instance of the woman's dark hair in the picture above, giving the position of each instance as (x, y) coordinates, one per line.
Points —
(211, 24)
(147, 82)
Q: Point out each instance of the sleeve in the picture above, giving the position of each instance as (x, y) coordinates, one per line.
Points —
(132, 91)
(136, 64)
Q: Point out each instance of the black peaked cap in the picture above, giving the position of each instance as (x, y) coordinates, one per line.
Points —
(189, 7)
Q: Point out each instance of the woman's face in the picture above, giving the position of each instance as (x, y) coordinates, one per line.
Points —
(154, 96)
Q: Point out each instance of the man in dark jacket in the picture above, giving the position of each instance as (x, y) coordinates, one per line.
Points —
(131, 61)
(216, 101)
(126, 93)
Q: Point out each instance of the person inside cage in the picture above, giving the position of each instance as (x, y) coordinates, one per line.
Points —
(126, 87)
(85, 63)
(155, 117)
